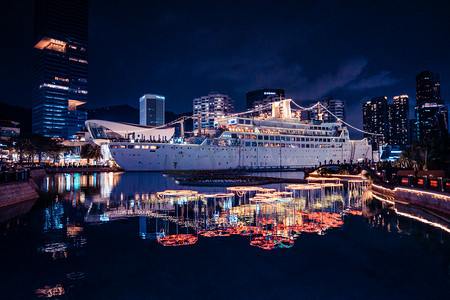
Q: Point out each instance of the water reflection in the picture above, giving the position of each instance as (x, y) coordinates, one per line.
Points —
(49, 291)
(398, 217)
(77, 210)
(269, 217)
(272, 217)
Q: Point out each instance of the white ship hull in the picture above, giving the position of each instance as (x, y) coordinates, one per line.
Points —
(278, 141)
(167, 157)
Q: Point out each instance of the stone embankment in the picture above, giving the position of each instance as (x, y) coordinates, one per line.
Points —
(23, 189)
(15, 192)
(435, 200)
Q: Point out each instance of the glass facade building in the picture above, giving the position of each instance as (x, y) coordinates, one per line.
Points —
(152, 109)
(60, 67)
(431, 112)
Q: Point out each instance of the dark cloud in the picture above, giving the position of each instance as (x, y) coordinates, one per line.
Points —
(381, 79)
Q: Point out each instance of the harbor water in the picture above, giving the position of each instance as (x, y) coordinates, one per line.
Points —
(141, 235)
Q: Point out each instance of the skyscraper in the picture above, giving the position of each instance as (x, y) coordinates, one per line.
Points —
(152, 110)
(431, 112)
(60, 67)
(264, 96)
(399, 121)
(375, 118)
(209, 107)
(428, 87)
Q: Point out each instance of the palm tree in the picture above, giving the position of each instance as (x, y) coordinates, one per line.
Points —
(89, 151)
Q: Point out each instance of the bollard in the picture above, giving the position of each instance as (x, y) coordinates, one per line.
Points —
(410, 180)
(425, 182)
(440, 186)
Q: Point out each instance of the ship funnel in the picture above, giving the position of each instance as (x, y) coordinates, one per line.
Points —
(282, 109)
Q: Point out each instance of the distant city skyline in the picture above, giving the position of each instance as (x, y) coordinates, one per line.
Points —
(347, 50)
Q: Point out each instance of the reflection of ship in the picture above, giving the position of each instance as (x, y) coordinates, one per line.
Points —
(269, 218)
(280, 140)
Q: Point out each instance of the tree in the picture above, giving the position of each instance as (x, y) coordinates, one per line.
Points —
(427, 154)
(34, 144)
(89, 151)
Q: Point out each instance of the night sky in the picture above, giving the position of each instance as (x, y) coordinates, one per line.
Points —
(185, 49)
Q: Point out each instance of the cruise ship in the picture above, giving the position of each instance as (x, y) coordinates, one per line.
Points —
(277, 140)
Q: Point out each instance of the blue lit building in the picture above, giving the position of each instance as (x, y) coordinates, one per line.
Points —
(152, 110)
(60, 67)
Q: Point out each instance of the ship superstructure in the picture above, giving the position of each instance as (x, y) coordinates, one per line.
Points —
(280, 141)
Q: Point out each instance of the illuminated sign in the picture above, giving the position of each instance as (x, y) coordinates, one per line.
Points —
(430, 105)
(270, 93)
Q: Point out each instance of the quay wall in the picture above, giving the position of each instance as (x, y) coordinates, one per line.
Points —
(15, 192)
(435, 200)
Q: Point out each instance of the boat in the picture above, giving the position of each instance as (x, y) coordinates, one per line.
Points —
(279, 139)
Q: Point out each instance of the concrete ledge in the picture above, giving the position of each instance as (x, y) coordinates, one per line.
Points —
(435, 200)
(439, 201)
(15, 192)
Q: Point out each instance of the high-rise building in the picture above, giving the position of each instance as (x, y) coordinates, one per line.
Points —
(375, 118)
(152, 110)
(207, 108)
(261, 97)
(335, 106)
(390, 120)
(399, 121)
(431, 112)
(413, 129)
(60, 67)
(432, 120)
(428, 87)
